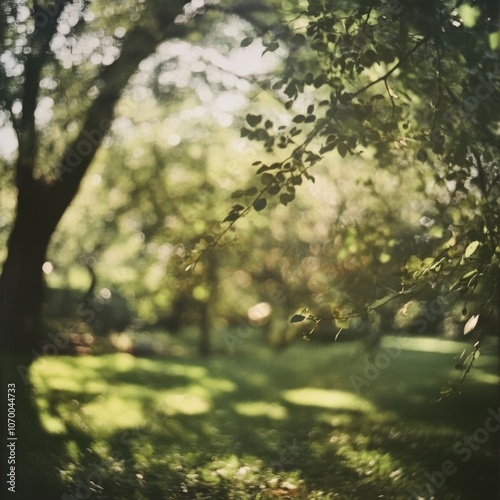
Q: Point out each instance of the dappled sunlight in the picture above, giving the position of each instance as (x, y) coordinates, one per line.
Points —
(365, 461)
(64, 375)
(112, 412)
(428, 344)
(261, 409)
(484, 378)
(218, 385)
(189, 371)
(207, 421)
(190, 400)
(323, 398)
(250, 248)
(53, 425)
(336, 420)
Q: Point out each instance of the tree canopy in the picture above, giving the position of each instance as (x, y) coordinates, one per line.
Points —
(410, 87)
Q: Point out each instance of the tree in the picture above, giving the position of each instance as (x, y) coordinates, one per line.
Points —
(81, 56)
(412, 85)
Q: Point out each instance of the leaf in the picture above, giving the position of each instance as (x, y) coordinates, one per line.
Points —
(232, 217)
(297, 318)
(413, 264)
(237, 194)
(319, 81)
(342, 149)
(253, 120)
(327, 148)
(274, 189)
(267, 178)
(472, 247)
(259, 204)
(262, 169)
(272, 46)
(246, 41)
(286, 198)
(299, 39)
(299, 119)
(342, 323)
(380, 302)
(471, 324)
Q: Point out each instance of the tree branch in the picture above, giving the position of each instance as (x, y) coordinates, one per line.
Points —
(45, 29)
(139, 44)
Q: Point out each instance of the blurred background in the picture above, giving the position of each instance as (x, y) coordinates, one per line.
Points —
(292, 360)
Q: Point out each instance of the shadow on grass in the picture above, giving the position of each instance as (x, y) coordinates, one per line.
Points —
(261, 426)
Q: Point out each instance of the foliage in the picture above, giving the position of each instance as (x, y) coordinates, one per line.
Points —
(410, 88)
(414, 87)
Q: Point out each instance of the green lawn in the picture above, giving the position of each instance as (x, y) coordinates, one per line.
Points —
(264, 425)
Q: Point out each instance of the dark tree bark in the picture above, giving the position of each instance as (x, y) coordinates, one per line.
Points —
(21, 284)
(41, 202)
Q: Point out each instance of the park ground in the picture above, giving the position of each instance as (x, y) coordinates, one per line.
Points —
(316, 421)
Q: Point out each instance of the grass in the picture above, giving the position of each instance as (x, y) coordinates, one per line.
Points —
(264, 425)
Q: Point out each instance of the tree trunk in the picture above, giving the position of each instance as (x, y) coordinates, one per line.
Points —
(208, 306)
(21, 283)
(21, 290)
(205, 329)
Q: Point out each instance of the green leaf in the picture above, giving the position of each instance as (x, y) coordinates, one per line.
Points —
(319, 81)
(471, 248)
(469, 274)
(380, 302)
(297, 318)
(273, 189)
(246, 41)
(299, 119)
(413, 264)
(286, 198)
(253, 120)
(237, 194)
(259, 204)
(342, 149)
(272, 47)
(299, 39)
(342, 323)
(232, 217)
(267, 178)
(327, 148)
